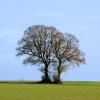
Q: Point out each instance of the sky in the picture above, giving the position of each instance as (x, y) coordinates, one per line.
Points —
(79, 17)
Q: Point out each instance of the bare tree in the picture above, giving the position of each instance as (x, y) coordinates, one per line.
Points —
(67, 52)
(37, 44)
(51, 48)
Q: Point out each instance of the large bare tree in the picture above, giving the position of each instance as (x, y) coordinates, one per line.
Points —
(67, 52)
(51, 48)
(37, 44)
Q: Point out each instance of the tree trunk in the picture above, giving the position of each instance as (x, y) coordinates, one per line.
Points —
(46, 78)
(59, 73)
(46, 74)
(56, 78)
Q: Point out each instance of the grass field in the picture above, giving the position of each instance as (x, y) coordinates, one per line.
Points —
(66, 91)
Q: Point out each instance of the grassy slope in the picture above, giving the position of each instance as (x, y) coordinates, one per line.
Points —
(66, 91)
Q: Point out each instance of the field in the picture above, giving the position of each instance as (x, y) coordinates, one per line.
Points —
(66, 91)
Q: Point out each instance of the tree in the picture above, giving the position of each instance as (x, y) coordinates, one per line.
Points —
(49, 47)
(37, 45)
(66, 52)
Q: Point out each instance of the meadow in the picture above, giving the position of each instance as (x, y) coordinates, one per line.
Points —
(71, 90)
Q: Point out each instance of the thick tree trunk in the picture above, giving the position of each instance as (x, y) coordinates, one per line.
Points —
(56, 78)
(58, 73)
(46, 74)
(46, 78)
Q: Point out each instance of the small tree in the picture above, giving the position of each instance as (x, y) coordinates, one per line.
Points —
(37, 44)
(67, 52)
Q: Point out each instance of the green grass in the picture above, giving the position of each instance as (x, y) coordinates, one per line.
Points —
(67, 91)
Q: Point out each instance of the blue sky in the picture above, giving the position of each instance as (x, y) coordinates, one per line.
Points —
(79, 17)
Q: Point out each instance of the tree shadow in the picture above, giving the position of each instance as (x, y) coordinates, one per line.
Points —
(25, 82)
(19, 82)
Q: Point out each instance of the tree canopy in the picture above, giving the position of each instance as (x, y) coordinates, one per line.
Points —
(46, 45)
